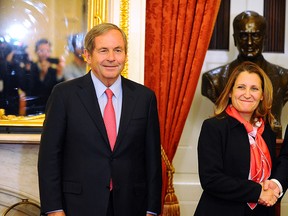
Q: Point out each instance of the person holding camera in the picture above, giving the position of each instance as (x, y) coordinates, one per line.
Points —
(44, 75)
(13, 58)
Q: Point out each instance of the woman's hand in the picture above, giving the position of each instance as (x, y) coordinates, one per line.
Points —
(268, 196)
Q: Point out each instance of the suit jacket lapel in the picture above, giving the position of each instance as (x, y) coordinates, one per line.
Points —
(88, 97)
(128, 105)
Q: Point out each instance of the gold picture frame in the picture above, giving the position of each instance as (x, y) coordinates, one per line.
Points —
(13, 120)
(97, 12)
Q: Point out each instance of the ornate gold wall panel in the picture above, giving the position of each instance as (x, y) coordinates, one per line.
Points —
(97, 12)
(124, 24)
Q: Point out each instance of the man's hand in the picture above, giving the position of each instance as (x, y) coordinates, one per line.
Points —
(267, 197)
(269, 194)
(60, 67)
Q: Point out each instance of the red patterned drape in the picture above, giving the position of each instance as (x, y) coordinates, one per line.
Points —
(177, 38)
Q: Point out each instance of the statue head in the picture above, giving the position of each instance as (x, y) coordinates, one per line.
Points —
(249, 34)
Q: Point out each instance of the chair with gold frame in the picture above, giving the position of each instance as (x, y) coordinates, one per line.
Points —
(23, 208)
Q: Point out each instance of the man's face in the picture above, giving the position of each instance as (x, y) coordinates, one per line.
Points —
(249, 38)
(108, 58)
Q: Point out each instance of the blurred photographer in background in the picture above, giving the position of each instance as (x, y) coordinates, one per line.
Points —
(14, 61)
(44, 75)
(77, 67)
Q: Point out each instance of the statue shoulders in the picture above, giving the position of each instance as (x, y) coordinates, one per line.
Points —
(222, 71)
(277, 74)
(275, 69)
(214, 80)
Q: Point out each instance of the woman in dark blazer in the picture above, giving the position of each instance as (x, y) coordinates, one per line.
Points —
(236, 149)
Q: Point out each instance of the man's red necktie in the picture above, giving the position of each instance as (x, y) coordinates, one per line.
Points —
(110, 122)
(110, 119)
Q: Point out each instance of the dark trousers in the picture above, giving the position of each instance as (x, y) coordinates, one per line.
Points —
(260, 210)
(110, 209)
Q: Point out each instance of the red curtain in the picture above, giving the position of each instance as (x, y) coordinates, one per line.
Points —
(177, 38)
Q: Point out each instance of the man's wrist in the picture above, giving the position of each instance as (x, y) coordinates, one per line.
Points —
(279, 186)
(151, 213)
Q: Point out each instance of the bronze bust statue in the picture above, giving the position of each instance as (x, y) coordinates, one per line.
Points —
(249, 35)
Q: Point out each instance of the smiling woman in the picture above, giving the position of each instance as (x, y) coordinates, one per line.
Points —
(22, 75)
(238, 143)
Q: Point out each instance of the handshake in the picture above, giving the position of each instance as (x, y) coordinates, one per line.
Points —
(270, 193)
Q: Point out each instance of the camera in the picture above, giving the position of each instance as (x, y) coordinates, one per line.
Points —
(20, 55)
(53, 60)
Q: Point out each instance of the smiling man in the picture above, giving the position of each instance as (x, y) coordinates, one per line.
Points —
(100, 147)
(249, 37)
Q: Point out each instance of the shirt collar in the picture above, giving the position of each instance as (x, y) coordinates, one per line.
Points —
(100, 87)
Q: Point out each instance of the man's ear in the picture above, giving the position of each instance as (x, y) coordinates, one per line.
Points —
(87, 56)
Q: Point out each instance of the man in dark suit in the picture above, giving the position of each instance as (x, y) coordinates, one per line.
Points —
(249, 37)
(79, 173)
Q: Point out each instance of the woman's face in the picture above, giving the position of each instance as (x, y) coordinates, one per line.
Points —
(246, 94)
